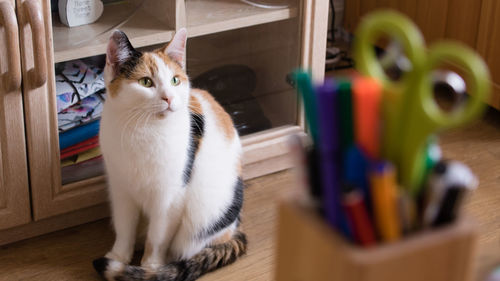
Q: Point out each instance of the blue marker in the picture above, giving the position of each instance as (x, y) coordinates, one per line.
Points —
(356, 166)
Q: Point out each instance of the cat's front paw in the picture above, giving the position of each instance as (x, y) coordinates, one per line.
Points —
(152, 267)
(117, 257)
(101, 265)
(107, 268)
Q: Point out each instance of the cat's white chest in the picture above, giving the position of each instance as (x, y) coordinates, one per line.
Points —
(148, 157)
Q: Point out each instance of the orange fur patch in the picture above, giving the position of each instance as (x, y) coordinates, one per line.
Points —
(114, 87)
(194, 105)
(239, 169)
(176, 68)
(223, 119)
(145, 68)
(225, 237)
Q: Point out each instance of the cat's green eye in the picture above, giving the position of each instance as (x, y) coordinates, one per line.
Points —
(146, 82)
(175, 81)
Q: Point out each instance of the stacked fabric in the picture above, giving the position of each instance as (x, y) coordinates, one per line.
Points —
(80, 96)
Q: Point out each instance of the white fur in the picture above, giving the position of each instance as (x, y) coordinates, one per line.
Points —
(144, 142)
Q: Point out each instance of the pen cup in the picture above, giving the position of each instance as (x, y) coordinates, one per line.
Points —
(310, 250)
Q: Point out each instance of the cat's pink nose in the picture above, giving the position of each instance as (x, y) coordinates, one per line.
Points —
(167, 99)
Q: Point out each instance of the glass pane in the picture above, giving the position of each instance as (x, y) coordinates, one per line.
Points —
(80, 94)
(240, 52)
(246, 71)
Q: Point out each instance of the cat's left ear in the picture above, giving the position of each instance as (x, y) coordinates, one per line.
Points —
(176, 49)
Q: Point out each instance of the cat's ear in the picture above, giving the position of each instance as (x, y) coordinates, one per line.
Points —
(119, 50)
(176, 49)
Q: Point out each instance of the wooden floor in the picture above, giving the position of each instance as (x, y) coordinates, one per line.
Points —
(67, 254)
(478, 146)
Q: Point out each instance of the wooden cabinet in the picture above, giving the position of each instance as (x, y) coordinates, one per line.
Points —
(456, 19)
(473, 22)
(222, 33)
(488, 42)
(14, 193)
(49, 196)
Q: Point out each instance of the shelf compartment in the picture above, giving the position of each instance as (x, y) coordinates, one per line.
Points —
(141, 27)
(211, 16)
(144, 26)
(246, 69)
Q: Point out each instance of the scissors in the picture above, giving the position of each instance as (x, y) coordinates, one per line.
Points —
(410, 113)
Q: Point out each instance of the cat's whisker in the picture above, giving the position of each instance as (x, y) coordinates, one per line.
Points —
(133, 116)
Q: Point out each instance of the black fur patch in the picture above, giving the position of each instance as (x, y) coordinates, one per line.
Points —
(209, 259)
(232, 213)
(125, 49)
(100, 265)
(197, 131)
(131, 273)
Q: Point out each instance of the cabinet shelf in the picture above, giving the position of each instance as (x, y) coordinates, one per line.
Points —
(90, 40)
(211, 16)
(203, 17)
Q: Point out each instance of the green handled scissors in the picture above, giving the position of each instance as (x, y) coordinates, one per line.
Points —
(410, 113)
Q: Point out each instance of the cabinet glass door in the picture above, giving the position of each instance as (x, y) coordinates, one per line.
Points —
(241, 51)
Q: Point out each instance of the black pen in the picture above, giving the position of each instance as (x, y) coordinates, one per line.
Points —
(447, 184)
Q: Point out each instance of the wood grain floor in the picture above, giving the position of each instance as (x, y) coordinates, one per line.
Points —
(67, 254)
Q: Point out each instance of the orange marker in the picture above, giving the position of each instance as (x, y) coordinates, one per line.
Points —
(384, 196)
(367, 94)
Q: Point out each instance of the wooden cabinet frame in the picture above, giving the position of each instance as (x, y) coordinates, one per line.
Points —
(56, 206)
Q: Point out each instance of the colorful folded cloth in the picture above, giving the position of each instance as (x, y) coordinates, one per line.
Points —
(76, 80)
(80, 147)
(85, 111)
(78, 134)
(82, 157)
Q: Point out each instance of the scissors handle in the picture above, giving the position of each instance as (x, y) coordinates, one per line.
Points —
(425, 117)
(397, 27)
(475, 74)
(402, 30)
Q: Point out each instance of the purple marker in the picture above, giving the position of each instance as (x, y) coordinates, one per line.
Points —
(329, 147)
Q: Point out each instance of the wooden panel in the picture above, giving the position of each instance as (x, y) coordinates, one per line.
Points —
(431, 18)
(488, 43)
(367, 6)
(14, 194)
(309, 250)
(173, 12)
(314, 32)
(91, 39)
(53, 224)
(462, 20)
(389, 4)
(210, 16)
(49, 198)
(351, 15)
(409, 7)
(456, 19)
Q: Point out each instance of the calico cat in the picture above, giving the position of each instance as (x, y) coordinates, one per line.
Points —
(172, 155)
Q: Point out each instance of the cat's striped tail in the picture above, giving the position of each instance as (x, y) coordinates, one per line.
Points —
(209, 259)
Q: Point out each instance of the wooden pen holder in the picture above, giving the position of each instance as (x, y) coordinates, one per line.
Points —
(310, 250)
